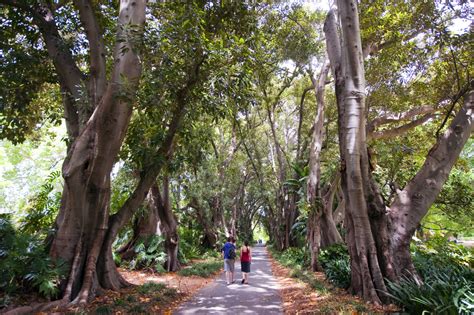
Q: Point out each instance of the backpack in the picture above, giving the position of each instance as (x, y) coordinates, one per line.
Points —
(232, 254)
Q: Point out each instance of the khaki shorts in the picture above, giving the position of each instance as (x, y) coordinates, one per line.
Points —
(229, 265)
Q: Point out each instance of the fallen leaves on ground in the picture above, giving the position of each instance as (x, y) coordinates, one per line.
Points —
(161, 294)
(299, 298)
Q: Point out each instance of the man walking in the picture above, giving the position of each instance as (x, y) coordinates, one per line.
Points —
(228, 252)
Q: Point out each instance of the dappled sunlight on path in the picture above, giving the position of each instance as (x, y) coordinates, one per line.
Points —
(259, 297)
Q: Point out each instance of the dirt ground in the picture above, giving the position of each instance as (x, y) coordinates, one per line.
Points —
(133, 299)
(299, 298)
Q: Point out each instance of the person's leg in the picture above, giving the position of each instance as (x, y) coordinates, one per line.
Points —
(227, 270)
(232, 263)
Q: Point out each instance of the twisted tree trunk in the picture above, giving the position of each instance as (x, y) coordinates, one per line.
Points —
(84, 215)
(379, 237)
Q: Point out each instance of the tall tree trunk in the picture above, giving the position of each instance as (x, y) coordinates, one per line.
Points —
(210, 233)
(366, 275)
(168, 224)
(378, 239)
(83, 220)
(314, 179)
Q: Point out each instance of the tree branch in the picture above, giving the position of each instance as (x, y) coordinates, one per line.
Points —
(391, 133)
(97, 83)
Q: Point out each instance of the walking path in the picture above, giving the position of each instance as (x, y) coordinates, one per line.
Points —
(259, 297)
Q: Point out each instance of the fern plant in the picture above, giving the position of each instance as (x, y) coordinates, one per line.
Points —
(25, 263)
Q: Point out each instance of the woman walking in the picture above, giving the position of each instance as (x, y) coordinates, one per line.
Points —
(245, 259)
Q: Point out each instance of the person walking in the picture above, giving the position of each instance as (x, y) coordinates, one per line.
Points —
(228, 253)
(245, 260)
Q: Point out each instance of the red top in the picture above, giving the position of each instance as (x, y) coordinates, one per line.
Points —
(245, 255)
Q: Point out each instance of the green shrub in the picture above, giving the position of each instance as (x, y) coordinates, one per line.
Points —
(295, 257)
(103, 309)
(440, 251)
(204, 269)
(336, 264)
(150, 254)
(25, 263)
(442, 292)
(448, 280)
(151, 287)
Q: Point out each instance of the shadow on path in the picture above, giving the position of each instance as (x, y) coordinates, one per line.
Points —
(259, 297)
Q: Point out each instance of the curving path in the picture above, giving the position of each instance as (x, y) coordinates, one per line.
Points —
(259, 297)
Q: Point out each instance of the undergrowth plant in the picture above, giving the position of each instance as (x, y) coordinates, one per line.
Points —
(25, 263)
(150, 253)
(203, 269)
(336, 264)
(448, 280)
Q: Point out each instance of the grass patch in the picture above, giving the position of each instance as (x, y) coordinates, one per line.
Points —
(137, 309)
(151, 287)
(309, 278)
(103, 309)
(203, 269)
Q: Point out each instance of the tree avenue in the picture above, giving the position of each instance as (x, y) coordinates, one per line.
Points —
(334, 133)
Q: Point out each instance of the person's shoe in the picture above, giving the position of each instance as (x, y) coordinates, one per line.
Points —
(243, 280)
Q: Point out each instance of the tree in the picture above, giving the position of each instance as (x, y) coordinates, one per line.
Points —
(379, 238)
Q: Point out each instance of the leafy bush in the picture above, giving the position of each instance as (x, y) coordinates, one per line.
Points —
(441, 292)
(448, 280)
(440, 251)
(151, 286)
(25, 263)
(295, 257)
(204, 269)
(336, 264)
(150, 254)
(42, 208)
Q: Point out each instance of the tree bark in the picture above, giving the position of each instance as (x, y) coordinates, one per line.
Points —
(378, 238)
(83, 220)
(413, 202)
(167, 223)
(366, 275)
(314, 179)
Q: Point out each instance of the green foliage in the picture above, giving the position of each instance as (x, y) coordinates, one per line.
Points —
(204, 269)
(42, 208)
(448, 279)
(103, 309)
(336, 264)
(441, 252)
(189, 244)
(150, 253)
(26, 264)
(295, 257)
(442, 292)
(150, 287)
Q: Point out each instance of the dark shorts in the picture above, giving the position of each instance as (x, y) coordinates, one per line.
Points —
(245, 266)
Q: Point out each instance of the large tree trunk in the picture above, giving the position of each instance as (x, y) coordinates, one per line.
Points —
(378, 239)
(366, 275)
(168, 224)
(83, 219)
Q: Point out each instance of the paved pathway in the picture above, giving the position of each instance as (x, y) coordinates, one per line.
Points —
(259, 297)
